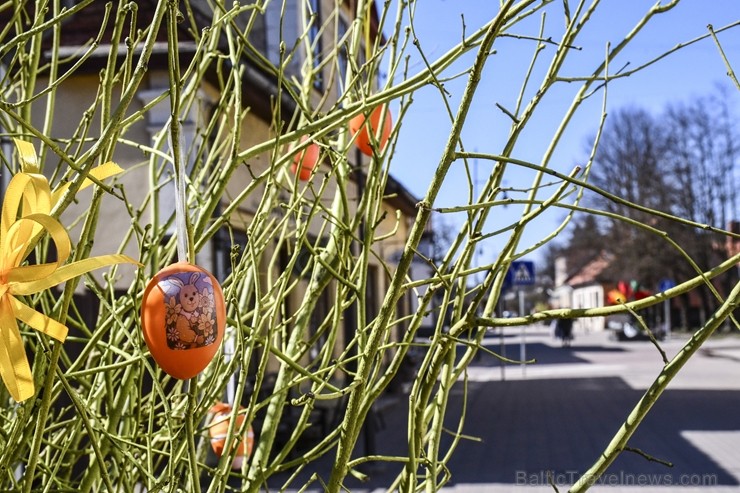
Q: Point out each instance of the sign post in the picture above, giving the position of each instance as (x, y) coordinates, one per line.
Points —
(665, 285)
(522, 341)
(521, 273)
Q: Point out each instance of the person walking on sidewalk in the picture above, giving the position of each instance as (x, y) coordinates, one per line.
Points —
(564, 331)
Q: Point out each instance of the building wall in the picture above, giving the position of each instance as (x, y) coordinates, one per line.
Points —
(78, 94)
(562, 297)
(591, 296)
(74, 98)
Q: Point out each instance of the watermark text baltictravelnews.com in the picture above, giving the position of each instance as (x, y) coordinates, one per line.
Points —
(541, 478)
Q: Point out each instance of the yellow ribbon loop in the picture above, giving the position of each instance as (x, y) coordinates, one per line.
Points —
(25, 216)
(29, 161)
(99, 172)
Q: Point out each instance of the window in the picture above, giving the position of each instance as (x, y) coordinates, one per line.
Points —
(372, 294)
(224, 244)
(6, 149)
(6, 145)
(314, 38)
(257, 34)
(303, 262)
(317, 333)
(342, 56)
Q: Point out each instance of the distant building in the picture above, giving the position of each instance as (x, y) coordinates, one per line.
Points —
(586, 287)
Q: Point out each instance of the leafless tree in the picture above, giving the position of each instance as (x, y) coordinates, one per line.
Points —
(683, 161)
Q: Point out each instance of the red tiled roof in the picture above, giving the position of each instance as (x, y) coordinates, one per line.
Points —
(589, 273)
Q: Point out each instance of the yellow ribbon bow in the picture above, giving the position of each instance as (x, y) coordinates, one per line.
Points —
(26, 215)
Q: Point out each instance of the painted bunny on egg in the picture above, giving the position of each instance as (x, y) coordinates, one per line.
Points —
(183, 313)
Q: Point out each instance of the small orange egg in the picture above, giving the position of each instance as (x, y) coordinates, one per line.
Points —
(183, 316)
(218, 429)
(306, 160)
(359, 126)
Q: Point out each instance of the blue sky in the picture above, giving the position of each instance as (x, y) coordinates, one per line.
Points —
(692, 72)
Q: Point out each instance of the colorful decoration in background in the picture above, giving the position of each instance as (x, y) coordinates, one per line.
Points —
(219, 428)
(361, 128)
(626, 292)
(183, 315)
(306, 160)
(25, 220)
(615, 297)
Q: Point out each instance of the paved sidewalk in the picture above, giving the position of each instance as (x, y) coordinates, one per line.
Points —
(562, 411)
(572, 401)
(558, 415)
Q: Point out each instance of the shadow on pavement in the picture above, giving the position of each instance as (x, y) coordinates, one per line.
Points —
(726, 352)
(544, 354)
(533, 426)
(525, 428)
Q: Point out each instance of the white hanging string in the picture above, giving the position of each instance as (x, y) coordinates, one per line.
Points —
(181, 224)
(228, 355)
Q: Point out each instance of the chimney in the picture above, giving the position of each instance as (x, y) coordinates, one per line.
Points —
(561, 271)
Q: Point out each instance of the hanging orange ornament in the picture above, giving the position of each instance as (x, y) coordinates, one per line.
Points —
(219, 428)
(305, 160)
(183, 315)
(360, 128)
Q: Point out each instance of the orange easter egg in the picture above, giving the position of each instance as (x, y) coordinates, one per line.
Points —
(183, 316)
(306, 160)
(218, 429)
(361, 127)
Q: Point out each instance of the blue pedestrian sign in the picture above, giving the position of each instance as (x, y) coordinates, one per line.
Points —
(666, 284)
(521, 273)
